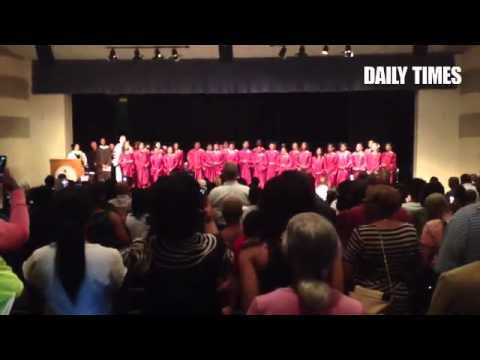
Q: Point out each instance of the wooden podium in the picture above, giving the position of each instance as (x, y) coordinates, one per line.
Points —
(73, 169)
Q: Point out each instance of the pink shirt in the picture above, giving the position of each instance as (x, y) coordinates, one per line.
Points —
(432, 235)
(285, 301)
(15, 232)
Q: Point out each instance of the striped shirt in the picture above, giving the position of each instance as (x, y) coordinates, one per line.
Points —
(364, 252)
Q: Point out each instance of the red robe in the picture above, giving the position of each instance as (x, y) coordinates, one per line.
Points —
(271, 157)
(179, 159)
(294, 159)
(388, 160)
(245, 164)
(218, 162)
(209, 167)
(284, 163)
(259, 160)
(331, 163)
(231, 156)
(359, 163)
(156, 165)
(142, 166)
(318, 168)
(169, 163)
(305, 161)
(344, 166)
(127, 164)
(195, 160)
(373, 161)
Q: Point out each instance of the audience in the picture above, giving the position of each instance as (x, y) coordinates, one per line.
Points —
(310, 245)
(232, 213)
(413, 204)
(466, 181)
(11, 287)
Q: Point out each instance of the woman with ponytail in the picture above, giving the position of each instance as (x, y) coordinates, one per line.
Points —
(310, 244)
(74, 277)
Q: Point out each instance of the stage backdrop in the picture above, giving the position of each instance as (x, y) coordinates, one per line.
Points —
(313, 117)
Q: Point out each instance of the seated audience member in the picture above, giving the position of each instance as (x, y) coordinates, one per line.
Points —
(262, 268)
(72, 276)
(187, 265)
(310, 246)
(232, 213)
(10, 285)
(458, 292)
(453, 184)
(230, 187)
(122, 202)
(466, 181)
(470, 197)
(15, 232)
(413, 204)
(381, 255)
(460, 245)
(435, 186)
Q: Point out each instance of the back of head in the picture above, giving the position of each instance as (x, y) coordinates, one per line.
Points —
(50, 181)
(230, 172)
(433, 188)
(471, 196)
(100, 230)
(98, 192)
(436, 205)
(344, 195)
(140, 202)
(176, 210)
(232, 210)
(416, 189)
(122, 189)
(311, 244)
(252, 224)
(453, 182)
(465, 179)
(382, 201)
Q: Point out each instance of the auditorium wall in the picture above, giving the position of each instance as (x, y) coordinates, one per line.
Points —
(33, 128)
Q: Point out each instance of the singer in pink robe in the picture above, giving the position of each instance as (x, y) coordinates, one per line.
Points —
(271, 158)
(127, 164)
(195, 158)
(209, 168)
(142, 167)
(359, 161)
(245, 163)
(388, 160)
(231, 154)
(218, 160)
(179, 156)
(156, 165)
(344, 164)
(318, 167)
(305, 159)
(373, 160)
(284, 162)
(331, 166)
(294, 153)
(259, 161)
(169, 161)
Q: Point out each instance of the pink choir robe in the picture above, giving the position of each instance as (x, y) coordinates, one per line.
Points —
(373, 161)
(305, 161)
(294, 159)
(284, 163)
(388, 160)
(127, 164)
(195, 160)
(218, 162)
(231, 156)
(344, 166)
(259, 166)
(142, 166)
(331, 166)
(169, 163)
(245, 164)
(209, 168)
(359, 163)
(271, 157)
(318, 168)
(156, 166)
(179, 159)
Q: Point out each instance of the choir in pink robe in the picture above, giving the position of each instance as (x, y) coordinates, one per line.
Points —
(209, 169)
(294, 159)
(245, 164)
(344, 165)
(127, 164)
(305, 161)
(156, 166)
(142, 165)
(169, 163)
(318, 168)
(388, 160)
(271, 157)
(284, 163)
(218, 162)
(259, 166)
(359, 163)
(195, 158)
(231, 156)
(179, 159)
(331, 162)
(373, 161)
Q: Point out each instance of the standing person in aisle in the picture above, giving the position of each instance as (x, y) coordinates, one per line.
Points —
(331, 166)
(344, 163)
(196, 158)
(284, 161)
(271, 156)
(294, 153)
(259, 164)
(245, 162)
(318, 166)
(388, 161)
(373, 159)
(359, 161)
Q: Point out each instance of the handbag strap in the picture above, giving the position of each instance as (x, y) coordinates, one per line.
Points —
(387, 268)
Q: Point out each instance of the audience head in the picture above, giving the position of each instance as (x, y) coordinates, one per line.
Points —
(466, 179)
(100, 230)
(140, 202)
(359, 147)
(230, 172)
(99, 195)
(470, 196)
(344, 195)
(252, 224)
(121, 189)
(416, 189)
(382, 201)
(432, 188)
(436, 205)
(49, 181)
(310, 244)
(453, 182)
(232, 210)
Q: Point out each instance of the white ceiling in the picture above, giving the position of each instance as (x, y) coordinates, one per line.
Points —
(90, 52)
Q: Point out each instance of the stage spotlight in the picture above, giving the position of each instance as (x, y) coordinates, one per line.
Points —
(175, 56)
(348, 51)
(283, 52)
(137, 55)
(325, 50)
(302, 52)
(112, 56)
(157, 55)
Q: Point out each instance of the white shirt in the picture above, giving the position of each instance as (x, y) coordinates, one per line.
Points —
(322, 192)
(469, 186)
(220, 193)
(104, 273)
(117, 151)
(73, 155)
(138, 228)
